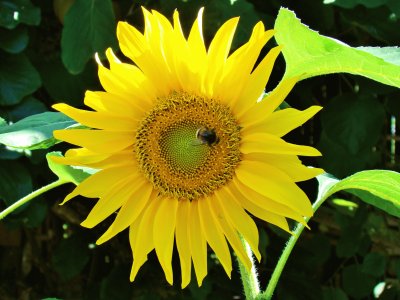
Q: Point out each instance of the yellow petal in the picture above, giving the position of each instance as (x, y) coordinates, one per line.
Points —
(84, 157)
(283, 121)
(197, 241)
(196, 41)
(268, 143)
(274, 184)
(181, 57)
(289, 164)
(218, 52)
(182, 240)
(99, 120)
(230, 232)
(79, 157)
(119, 105)
(238, 218)
(197, 56)
(112, 200)
(99, 183)
(163, 233)
(251, 201)
(125, 157)
(131, 41)
(239, 65)
(214, 236)
(147, 57)
(167, 52)
(139, 88)
(152, 62)
(141, 237)
(129, 211)
(265, 214)
(129, 82)
(261, 110)
(101, 141)
(256, 83)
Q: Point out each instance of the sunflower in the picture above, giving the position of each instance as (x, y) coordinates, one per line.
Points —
(184, 151)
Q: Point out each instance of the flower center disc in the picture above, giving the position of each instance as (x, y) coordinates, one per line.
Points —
(174, 156)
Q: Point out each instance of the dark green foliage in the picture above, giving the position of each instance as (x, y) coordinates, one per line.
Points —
(18, 78)
(45, 254)
(15, 181)
(14, 12)
(89, 27)
(70, 256)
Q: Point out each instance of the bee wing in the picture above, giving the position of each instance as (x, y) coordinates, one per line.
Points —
(196, 142)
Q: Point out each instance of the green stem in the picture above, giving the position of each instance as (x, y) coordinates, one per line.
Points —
(249, 279)
(30, 196)
(286, 253)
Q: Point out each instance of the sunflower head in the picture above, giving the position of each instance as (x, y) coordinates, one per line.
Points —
(185, 153)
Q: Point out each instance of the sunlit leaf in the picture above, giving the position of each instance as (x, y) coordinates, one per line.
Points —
(67, 173)
(344, 203)
(34, 132)
(380, 188)
(308, 54)
(388, 54)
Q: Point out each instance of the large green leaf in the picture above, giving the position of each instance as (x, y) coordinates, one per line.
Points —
(388, 54)
(308, 54)
(380, 188)
(89, 27)
(18, 78)
(34, 132)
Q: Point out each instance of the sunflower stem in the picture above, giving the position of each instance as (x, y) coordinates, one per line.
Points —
(30, 196)
(249, 279)
(267, 294)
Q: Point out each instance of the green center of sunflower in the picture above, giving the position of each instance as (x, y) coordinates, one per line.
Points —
(188, 146)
